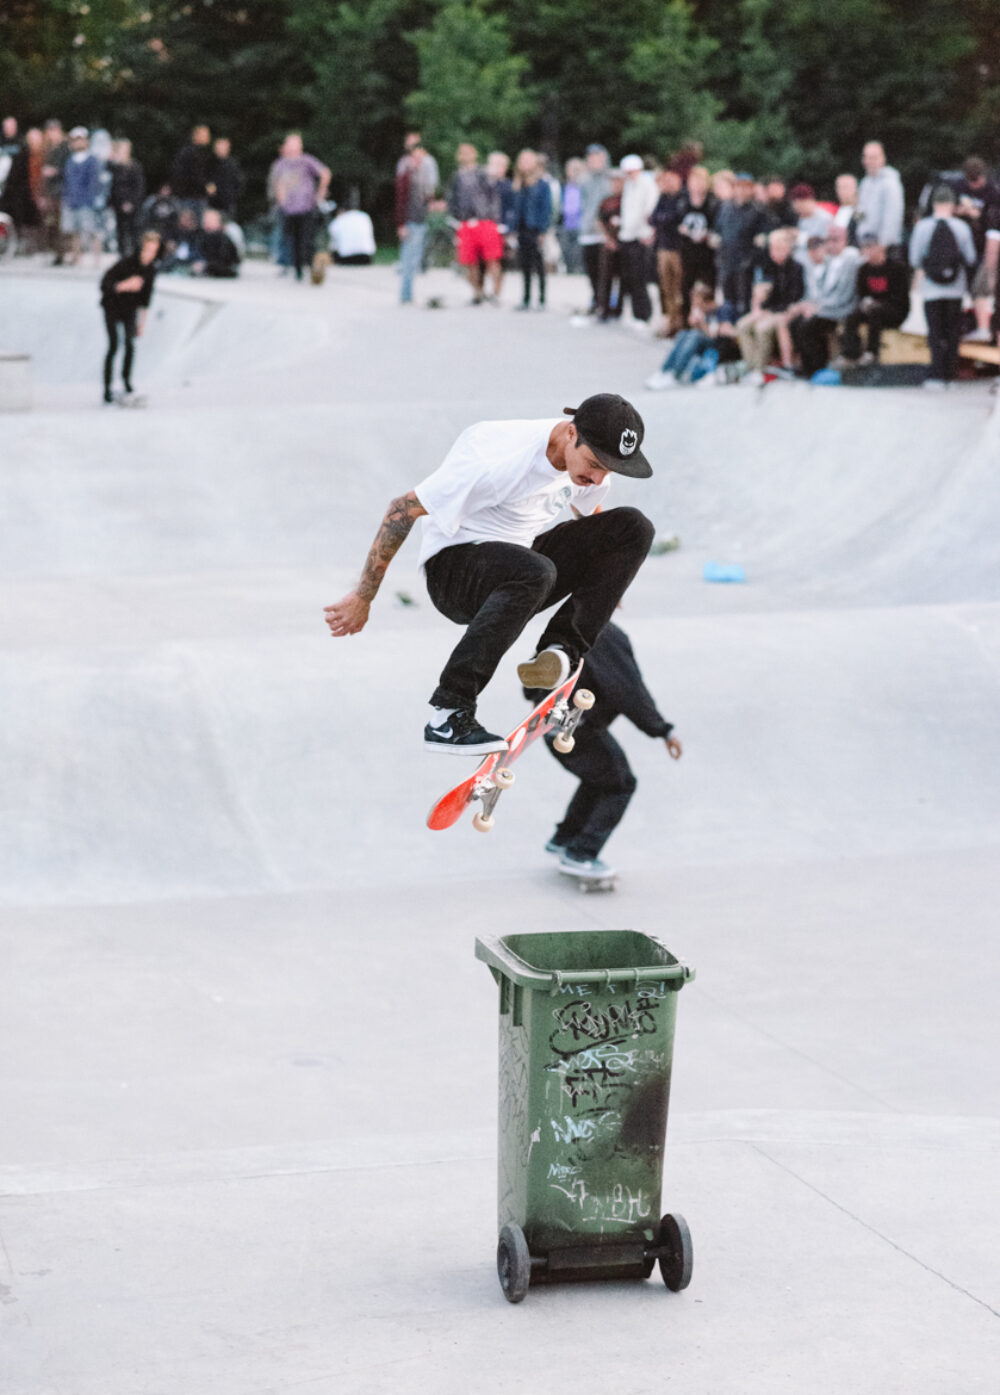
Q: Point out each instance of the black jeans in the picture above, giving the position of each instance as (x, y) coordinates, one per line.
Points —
(127, 324)
(811, 337)
(495, 588)
(635, 266)
(944, 334)
(128, 236)
(530, 259)
(606, 786)
(591, 255)
(877, 319)
(300, 229)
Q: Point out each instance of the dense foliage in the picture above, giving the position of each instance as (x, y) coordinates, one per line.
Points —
(794, 85)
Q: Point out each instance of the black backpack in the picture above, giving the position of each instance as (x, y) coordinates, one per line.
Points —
(943, 261)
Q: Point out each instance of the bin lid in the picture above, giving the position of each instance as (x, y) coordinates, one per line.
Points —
(550, 959)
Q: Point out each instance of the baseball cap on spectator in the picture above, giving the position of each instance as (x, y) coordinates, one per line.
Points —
(744, 178)
(79, 132)
(596, 149)
(802, 191)
(613, 430)
(630, 163)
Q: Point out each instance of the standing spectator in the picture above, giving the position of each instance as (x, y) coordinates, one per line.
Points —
(570, 213)
(607, 783)
(192, 171)
(776, 295)
(472, 203)
(698, 210)
(978, 204)
(847, 215)
(22, 185)
(299, 182)
(414, 192)
(609, 300)
(665, 219)
(81, 190)
(56, 155)
(738, 224)
(810, 219)
(778, 211)
(595, 186)
(126, 290)
(161, 214)
(689, 155)
(635, 235)
(11, 145)
(836, 299)
(128, 191)
(883, 302)
(532, 215)
(941, 247)
(226, 180)
(501, 188)
(410, 142)
(880, 200)
(550, 243)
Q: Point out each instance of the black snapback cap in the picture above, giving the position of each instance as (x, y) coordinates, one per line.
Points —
(613, 430)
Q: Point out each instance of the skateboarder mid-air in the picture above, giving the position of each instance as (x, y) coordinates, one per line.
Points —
(606, 780)
(492, 560)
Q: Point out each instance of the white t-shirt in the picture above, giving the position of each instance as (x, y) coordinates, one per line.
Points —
(352, 234)
(496, 484)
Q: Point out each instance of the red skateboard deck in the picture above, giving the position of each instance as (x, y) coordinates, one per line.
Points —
(556, 712)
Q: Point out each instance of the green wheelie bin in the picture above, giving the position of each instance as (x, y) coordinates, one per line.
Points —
(586, 1044)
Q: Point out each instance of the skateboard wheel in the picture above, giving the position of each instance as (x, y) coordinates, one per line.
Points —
(482, 822)
(584, 699)
(503, 778)
(563, 744)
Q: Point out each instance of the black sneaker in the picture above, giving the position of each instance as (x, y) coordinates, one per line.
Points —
(461, 735)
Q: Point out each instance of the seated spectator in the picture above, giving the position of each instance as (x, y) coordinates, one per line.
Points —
(883, 302)
(847, 207)
(738, 224)
(698, 350)
(161, 214)
(836, 294)
(941, 248)
(810, 219)
(978, 204)
(352, 236)
(215, 252)
(185, 252)
(778, 292)
(812, 260)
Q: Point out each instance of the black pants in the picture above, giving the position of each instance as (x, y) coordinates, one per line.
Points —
(300, 231)
(530, 260)
(736, 283)
(944, 334)
(635, 266)
(606, 786)
(591, 254)
(495, 589)
(876, 320)
(112, 323)
(609, 290)
(811, 337)
(128, 237)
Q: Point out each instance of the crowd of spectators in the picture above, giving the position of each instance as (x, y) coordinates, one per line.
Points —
(750, 276)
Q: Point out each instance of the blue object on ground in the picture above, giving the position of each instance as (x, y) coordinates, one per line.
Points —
(724, 571)
(827, 377)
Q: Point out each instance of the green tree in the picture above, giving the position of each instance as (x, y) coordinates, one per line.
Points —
(665, 73)
(471, 86)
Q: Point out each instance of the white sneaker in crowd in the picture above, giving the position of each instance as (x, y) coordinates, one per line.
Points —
(658, 381)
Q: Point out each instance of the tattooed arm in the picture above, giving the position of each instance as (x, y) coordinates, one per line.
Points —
(350, 615)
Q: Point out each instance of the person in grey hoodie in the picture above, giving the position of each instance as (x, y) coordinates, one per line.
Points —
(943, 297)
(595, 186)
(836, 291)
(880, 201)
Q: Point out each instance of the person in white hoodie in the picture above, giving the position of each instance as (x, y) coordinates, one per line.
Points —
(635, 235)
(880, 201)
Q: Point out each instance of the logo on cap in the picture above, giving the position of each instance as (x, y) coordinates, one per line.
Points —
(628, 442)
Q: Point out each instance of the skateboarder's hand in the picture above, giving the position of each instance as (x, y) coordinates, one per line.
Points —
(131, 283)
(674, 747)
(348, 616)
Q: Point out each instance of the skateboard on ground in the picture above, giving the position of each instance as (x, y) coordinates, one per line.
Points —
(556, 712)
(588, 884)
(131, 399)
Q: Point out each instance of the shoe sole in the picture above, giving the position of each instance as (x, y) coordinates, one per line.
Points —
(544, 672)
(588, 876)
(485, 750)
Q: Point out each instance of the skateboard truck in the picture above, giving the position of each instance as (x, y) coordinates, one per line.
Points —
(564, 740)
(488, 791)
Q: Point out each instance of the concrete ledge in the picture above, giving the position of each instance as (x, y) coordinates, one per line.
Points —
(15, 382)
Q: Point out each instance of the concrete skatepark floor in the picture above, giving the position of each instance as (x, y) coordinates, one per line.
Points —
(247, 1058)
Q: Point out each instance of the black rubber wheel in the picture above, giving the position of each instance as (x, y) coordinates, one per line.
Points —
(513, 1263)
(678, 1262)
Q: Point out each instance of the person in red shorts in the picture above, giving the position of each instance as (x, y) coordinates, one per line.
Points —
(471, 201)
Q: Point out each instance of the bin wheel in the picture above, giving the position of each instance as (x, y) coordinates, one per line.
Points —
(513, 1263)
(678, 1262)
